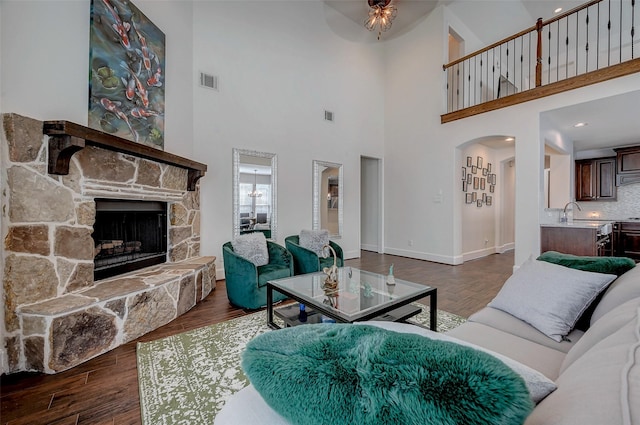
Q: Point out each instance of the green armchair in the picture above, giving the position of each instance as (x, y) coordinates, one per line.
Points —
(307, 261)
(247, 283)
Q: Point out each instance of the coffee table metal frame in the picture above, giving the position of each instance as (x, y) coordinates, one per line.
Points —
(370, 313)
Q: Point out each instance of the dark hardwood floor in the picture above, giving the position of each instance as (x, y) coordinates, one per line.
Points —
(104, 390)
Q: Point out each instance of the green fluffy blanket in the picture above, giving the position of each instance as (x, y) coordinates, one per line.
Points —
(335, 374)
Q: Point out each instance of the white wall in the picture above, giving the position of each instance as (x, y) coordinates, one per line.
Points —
(279, 68)
(478, 223)
(45, 63)
(422, 151)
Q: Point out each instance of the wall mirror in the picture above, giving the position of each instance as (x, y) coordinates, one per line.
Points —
(327, 197)
(254, 193)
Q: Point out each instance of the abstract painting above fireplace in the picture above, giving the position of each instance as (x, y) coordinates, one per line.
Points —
(127, 63)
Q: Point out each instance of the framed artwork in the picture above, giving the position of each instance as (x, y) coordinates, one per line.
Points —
(469, 161)
(469, 178)
(489, 200)
(492, 188)
(464, 173)
(126, 73)
(468, 198)
(484, 197)
(493, 179)
(479, 162)
(474, 196)
(464, 185)
(484, 171)
(476, 183)
(474, 169)
(489, 167)
(479, 203)
(482, 183)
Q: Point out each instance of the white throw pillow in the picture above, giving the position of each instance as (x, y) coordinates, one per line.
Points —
(550, 297)
(253, 247)
(314, 240)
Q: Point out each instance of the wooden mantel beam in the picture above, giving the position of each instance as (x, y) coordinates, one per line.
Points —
(67, 138)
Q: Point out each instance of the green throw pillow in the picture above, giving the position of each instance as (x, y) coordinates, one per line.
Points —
(335, 374)
(607, 265)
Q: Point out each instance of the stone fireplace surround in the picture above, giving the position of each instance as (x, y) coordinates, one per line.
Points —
(55, 315)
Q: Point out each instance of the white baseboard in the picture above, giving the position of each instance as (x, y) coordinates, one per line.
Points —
(506, 247)
(369, 247)
(474, 255)
(436, 258)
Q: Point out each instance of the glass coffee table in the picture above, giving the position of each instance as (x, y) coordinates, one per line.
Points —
(359, 296)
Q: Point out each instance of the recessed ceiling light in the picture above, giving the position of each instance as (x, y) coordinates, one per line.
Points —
(579, 124)
(509, 139)
(558, 10)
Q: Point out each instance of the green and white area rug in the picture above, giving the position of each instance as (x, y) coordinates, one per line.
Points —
(188, 377)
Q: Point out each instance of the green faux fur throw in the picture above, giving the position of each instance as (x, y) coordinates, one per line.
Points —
(341, 374)
(607, 265)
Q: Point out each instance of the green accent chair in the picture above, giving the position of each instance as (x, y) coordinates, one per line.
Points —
(307, 261)
(247, 283)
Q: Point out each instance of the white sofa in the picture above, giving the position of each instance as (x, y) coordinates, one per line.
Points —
(597, 372)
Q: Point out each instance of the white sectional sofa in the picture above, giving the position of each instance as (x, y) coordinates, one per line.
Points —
(597, 372)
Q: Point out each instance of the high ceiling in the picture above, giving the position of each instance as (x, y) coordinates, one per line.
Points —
(410, 12)
(512, 15)
(611, 121)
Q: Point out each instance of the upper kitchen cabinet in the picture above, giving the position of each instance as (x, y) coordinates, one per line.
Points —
(596, 179)
(628, 165)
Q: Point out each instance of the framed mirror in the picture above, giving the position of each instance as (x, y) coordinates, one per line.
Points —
(327, 197)
(254, 193)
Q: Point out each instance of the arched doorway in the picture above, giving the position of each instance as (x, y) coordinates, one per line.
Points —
(487, 209)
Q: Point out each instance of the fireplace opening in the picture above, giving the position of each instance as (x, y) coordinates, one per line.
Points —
(128, 235)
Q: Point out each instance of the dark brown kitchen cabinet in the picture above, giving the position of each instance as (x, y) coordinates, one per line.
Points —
(627, 240)
(574, 240)
(628, 165)
(596, 179)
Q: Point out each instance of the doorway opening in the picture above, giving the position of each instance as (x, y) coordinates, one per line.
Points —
(371, 205)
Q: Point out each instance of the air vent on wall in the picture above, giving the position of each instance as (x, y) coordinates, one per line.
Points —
(328, 116)
(209, 81)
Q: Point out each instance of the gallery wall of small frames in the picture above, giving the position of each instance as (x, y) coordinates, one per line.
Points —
(477, 179)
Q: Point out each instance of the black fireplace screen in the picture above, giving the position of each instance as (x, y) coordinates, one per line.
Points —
(128, 235)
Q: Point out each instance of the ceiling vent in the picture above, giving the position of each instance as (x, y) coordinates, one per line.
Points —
(209, 81)
(328, 116)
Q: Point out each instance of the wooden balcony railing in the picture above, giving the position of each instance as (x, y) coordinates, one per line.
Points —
(589, 44)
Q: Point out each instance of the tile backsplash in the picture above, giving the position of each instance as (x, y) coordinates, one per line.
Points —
(627, 205)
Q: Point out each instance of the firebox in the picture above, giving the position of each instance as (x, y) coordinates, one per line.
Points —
(128, 235)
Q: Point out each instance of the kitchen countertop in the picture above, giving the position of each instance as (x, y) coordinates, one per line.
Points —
(582, 224)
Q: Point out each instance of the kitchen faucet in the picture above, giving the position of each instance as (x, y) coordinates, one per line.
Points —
(563, 219)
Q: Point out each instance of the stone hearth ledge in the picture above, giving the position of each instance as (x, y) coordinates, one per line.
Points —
(63, 332)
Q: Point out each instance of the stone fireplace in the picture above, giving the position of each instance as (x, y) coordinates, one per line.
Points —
(56, 315)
